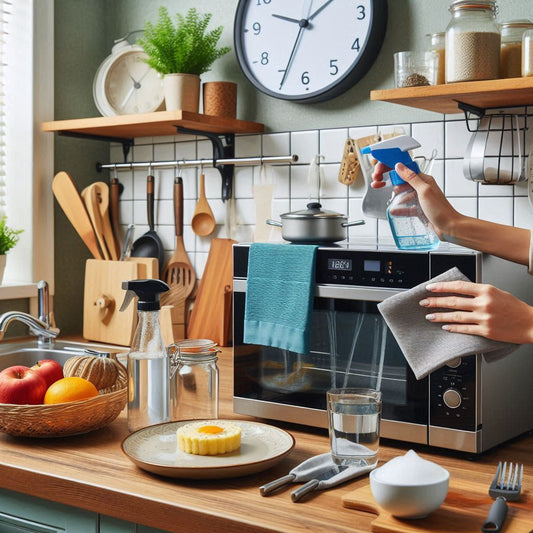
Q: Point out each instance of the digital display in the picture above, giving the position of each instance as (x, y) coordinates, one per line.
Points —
(340, 264)
(372, 265)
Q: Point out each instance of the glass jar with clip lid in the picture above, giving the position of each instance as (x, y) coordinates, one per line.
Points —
(193, 380)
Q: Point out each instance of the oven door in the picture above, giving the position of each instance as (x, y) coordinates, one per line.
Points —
(351, 346)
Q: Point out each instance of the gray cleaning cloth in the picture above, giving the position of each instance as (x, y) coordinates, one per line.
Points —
(425, 345)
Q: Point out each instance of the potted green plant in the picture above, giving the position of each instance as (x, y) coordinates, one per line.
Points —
(181, 52)
(8, 239)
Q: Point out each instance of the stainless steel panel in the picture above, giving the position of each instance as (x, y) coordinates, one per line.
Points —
(463, 441)
(393, 429)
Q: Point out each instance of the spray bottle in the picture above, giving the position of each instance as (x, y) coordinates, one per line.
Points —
(148, 361)
(409, 225)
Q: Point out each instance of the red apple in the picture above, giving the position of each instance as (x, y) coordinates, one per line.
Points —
(21, 385)
(50, 370)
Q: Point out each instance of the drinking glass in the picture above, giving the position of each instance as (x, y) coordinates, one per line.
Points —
(354, 416)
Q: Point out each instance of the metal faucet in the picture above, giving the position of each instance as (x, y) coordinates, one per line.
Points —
(38, 326)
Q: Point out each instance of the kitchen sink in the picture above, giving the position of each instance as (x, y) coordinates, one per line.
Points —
(28, 353)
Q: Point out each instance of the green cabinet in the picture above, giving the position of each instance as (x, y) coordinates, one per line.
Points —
(20, 513)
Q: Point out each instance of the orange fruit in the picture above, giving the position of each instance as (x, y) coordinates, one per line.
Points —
(71, 389)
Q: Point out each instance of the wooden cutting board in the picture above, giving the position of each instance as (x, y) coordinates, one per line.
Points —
(465, 509)
(210, 315)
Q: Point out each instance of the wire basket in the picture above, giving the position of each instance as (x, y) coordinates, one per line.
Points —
(66, 419)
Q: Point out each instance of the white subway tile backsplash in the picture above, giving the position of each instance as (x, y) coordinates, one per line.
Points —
(305, 145)
(332, 144)
(292, 191)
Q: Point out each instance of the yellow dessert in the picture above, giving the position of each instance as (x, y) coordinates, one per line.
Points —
(213, 437)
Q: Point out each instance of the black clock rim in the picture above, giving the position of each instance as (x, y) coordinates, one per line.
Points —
(357, 71)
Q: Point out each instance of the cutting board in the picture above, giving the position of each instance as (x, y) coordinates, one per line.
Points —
(465, 509)
(210, 315)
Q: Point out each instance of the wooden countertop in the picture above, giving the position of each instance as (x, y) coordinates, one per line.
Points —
(91, 472)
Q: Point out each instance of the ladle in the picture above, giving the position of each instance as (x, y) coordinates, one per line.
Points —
(149, 244)
(203, 221)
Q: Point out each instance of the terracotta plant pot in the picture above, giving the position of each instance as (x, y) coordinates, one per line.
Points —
(182, 92)
(220, 98)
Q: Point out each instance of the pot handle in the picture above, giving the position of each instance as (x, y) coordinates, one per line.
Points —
(271, 222)
(354, 223)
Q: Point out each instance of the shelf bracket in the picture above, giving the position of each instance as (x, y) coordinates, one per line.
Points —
(126, 143)
(469, 109)
(222, 149)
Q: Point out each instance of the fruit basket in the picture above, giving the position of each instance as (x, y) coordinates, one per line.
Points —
(66, 419)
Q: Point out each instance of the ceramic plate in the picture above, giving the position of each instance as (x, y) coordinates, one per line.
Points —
(155, 449)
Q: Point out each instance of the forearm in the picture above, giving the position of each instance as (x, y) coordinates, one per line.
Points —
(503, 241)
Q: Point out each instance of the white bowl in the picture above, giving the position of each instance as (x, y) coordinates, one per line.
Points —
(415, 493)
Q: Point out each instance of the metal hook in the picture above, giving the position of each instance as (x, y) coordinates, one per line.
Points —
(115, 172)
(150, 168)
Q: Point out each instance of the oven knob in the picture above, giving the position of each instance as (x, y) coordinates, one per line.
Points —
(454, 363)
(452, 398)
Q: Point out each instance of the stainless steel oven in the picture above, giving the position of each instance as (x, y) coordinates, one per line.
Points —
(469, 405)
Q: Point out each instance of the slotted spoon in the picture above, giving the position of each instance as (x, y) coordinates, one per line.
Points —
(179, 270)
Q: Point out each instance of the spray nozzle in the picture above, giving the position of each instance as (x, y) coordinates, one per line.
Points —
(392, 151)
(147, 290)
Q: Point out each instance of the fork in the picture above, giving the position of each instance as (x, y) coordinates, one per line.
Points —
(505, 487)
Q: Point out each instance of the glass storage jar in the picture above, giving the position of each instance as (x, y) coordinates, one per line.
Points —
(527, 53)
(472, 41)
(511, 48)
(194, 380)
(437, 44)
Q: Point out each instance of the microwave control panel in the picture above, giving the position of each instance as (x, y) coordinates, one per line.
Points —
(453, 395)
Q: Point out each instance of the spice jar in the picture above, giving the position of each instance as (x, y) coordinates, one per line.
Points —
(472, 41)
(194, 380)
(511, 48)
(527, 53)
(437, 44)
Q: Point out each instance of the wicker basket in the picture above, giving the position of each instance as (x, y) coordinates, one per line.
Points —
(65, 419)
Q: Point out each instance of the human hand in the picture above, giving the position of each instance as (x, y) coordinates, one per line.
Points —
(480, 309)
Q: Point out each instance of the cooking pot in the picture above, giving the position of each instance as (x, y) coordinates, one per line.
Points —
(313, 225)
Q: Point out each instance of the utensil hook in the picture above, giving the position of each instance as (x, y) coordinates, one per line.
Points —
(150, 168)
(115, 172)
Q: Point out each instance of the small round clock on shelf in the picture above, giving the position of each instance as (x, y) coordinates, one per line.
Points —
(124, 84)
(305, 50)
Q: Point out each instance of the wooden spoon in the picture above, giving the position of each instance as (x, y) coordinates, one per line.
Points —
(203, 221)
(179, 270)
(69, 199)
(90, 198)
(102, 192)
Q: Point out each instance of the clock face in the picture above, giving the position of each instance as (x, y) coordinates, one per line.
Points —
(125, 84)
(308, 50)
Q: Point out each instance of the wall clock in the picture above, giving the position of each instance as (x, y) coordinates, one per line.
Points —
(125, 84)
(308, 50)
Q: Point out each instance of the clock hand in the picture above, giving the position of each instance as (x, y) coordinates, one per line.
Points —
(289, 19)
(303, 24)
(128, 96)
(320, 9)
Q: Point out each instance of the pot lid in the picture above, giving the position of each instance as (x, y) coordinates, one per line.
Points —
(314, 210)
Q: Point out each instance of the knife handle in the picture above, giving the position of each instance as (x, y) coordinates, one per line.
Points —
(300, 492)
(266, 489)
(496, 516)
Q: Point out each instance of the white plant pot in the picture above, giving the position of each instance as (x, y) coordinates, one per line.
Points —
(182, 91)
(2, 267)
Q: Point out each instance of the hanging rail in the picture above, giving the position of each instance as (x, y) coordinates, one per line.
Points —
(184, 163)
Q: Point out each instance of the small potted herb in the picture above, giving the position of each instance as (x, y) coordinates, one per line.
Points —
(8, 239)
(181, 52)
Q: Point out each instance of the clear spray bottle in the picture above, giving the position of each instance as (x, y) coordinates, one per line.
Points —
(148, 361)
(409, 225)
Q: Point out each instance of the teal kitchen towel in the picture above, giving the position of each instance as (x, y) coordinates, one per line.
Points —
(279, 295)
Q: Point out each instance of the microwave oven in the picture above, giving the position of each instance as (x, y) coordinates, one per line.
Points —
(468, 405)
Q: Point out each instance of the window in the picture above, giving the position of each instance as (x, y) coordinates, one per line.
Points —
(27, 101)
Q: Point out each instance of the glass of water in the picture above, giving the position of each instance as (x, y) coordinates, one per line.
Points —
(354, 417)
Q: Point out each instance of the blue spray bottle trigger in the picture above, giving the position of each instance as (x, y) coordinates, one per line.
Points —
(391, 156)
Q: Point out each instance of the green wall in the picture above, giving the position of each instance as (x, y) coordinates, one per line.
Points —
(84, 33)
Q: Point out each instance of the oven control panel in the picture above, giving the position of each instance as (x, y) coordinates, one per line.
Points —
(453, 395)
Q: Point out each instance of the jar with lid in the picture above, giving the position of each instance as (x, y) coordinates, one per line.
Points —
(472, 41)
(527, 53)
(194, 380)
(511, 48)
(437, 44)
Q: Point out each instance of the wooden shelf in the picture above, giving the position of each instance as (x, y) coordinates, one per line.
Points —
(488, 94)
(149, 125)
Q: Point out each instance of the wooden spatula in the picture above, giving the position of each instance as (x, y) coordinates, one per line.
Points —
(102, 191)
(69, 199)
(90, 198)
(179, 269)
